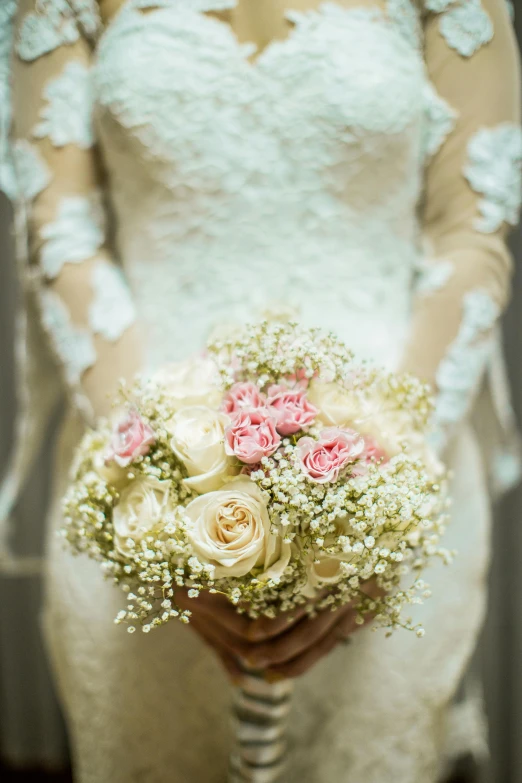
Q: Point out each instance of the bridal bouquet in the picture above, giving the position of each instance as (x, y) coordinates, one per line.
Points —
(275, 470)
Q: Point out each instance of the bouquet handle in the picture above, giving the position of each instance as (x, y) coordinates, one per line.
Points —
(260, 719)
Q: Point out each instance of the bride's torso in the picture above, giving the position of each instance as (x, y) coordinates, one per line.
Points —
(242, 182)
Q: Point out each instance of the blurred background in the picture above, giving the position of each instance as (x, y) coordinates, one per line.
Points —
(33, 743)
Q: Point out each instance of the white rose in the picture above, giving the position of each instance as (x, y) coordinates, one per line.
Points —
(323, 571)
(230, 529)
(142, 506)
(198, 440)
(338, 407)
(192, 382)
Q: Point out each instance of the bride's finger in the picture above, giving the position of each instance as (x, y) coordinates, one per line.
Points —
(265, 628)
(217, 608)
(339, 633)
(297, 640)
(222, 611)
(304, 662)
(219, 636)
(371, 589)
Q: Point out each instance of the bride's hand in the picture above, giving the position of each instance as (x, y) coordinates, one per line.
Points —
(287, 646)
(234, 637)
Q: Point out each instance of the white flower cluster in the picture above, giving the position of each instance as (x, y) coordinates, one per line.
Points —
(270, 350)
(275, 471)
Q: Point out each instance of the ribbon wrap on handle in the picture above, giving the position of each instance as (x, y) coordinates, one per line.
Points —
(260, 719)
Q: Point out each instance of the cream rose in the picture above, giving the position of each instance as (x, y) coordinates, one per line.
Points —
(338, 407)
(323, 571)
(230, 529)
(198, 440)
(110, 472)
(366, 414)
(143, 505)
(192, 382)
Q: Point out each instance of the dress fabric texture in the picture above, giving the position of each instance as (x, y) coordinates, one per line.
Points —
(350, 174)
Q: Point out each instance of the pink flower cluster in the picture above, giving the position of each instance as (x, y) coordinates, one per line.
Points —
(323, 460)
(259, 421)
(291, 408)
(258, 424)
(131, 438)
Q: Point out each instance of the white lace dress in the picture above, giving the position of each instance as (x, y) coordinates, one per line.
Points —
(362, 172)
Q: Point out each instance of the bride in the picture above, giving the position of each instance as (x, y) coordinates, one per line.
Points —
(181, 166)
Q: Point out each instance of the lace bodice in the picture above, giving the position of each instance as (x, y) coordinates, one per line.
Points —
(349, 170)
(261, 183)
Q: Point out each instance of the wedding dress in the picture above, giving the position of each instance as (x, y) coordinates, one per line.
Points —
(170, 181)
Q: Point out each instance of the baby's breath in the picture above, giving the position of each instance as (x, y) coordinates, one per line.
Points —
(376, 529)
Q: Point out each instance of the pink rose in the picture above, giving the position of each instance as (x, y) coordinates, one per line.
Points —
(131, 438)
(242, 395)
(251, 435)
(323, 460)
(291, 409)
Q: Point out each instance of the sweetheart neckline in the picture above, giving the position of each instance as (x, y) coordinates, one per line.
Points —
(246, 48)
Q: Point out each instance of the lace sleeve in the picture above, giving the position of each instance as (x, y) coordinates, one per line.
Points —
(85, 305)
(472, 196)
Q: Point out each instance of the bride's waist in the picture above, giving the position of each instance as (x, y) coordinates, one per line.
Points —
(251, 239)
(178, 325)
(320, 264)
(354, 283)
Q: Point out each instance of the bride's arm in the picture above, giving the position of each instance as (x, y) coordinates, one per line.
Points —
(84, 302)
(472, 194)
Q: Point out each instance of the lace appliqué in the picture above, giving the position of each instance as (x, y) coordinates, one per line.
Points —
(466, 26)
(7, 177)
(437, 6)
(439, 115)
(494, 169)
(460, 371)
(440, 121)
(76, 234)
(67, 118)
(73, 345)
(432, 276)
(405, 17)
(52, 24)
(505, 470)
(32, 172)
(88, 16)
(7, 12)
(183, 5)
(112, 310)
